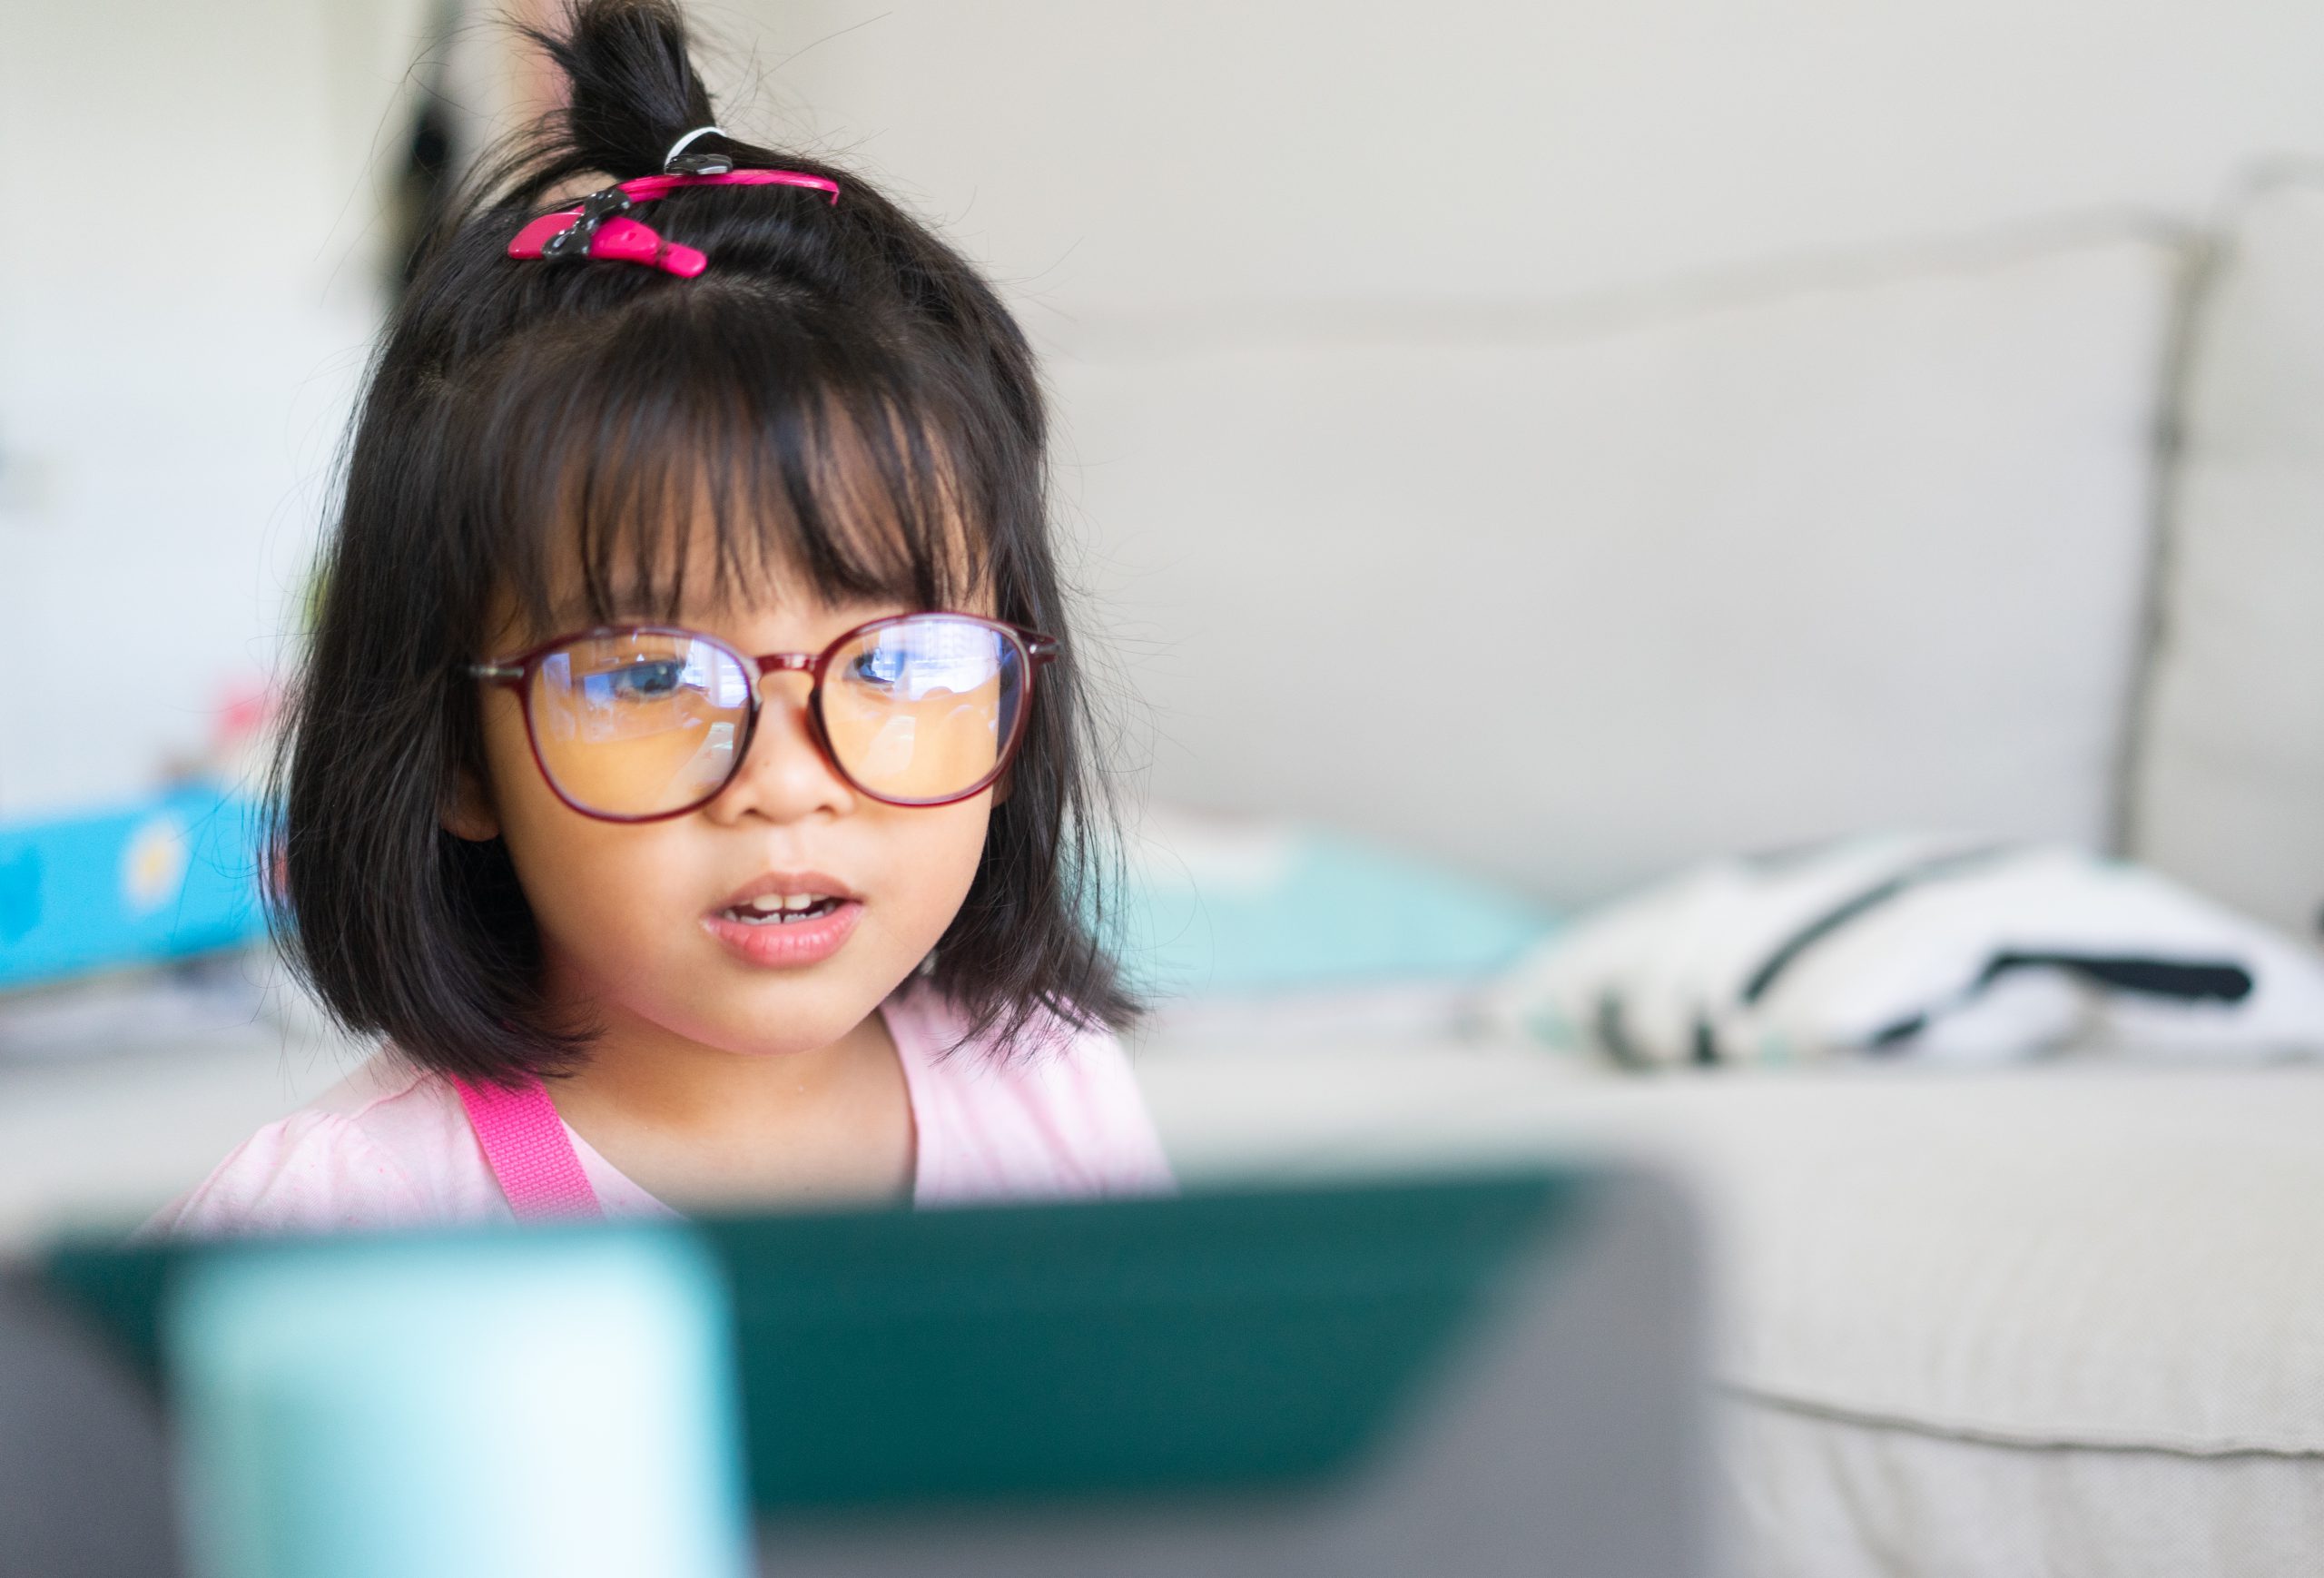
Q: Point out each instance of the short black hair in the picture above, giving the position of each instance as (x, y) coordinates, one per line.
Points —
(840, 395)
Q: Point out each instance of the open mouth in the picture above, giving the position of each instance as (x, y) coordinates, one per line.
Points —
(781, 909)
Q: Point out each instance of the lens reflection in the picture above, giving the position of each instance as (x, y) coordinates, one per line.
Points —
(639, 725)
(921, 710)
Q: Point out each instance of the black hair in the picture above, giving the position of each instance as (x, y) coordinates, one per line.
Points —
(840, 395)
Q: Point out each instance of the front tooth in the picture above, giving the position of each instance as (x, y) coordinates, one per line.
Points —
(767, 903)
(798, 900)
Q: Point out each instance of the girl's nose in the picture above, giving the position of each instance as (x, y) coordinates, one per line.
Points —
(785, 777)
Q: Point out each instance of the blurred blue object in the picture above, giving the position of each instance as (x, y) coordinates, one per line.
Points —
(1220, 908)
(164, 879)
(497, 1406)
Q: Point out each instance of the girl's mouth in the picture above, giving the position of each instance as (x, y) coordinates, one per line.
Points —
(781, 909)
(799, 918)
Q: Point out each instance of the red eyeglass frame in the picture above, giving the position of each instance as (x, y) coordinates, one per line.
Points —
(515, 673)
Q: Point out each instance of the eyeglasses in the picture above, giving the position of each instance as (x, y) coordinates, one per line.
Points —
(641, 722)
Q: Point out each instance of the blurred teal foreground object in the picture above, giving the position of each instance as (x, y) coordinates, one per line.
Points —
(1235, 1341)
(501, 1405)
(162, 879)
(1482, 1377)
(1228, 1342)
(1216, 907)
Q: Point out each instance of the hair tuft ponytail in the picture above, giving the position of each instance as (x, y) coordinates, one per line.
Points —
(634, 87)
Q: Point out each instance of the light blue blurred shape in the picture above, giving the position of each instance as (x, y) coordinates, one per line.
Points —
(510, 1404)
(162, 878)
(1286, 906)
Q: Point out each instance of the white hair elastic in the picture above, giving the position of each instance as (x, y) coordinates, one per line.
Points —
(670, 159)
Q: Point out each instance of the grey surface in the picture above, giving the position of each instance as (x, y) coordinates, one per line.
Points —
(83, 1487)
(1570, 1440)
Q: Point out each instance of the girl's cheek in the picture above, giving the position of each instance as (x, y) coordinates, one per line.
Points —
(576, 871)
(609, 871)
(946, 845)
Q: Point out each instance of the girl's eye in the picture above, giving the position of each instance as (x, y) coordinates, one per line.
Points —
(654, 679)
(882, 666)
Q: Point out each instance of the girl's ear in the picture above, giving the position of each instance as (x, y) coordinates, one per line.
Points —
(468, 813)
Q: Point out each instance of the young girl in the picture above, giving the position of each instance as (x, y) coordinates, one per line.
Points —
(688, 776)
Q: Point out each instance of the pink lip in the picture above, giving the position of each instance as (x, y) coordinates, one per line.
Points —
(790, 942)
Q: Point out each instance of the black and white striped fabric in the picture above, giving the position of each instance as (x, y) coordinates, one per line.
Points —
(1919, 945)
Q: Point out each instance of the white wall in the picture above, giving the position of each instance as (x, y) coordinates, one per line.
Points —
(186, 295)
(1140, 154)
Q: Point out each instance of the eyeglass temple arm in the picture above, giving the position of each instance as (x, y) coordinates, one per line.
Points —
(502, 673)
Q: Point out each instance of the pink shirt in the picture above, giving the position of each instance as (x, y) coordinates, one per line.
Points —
(391, 1146)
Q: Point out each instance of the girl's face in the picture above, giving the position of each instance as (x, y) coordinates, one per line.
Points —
(649, 927)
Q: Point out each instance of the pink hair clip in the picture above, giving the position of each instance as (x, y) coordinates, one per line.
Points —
(597, 228)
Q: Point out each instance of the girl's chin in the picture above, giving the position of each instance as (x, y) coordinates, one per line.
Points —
(787, 944)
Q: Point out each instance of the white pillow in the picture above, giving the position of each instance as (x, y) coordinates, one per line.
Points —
(1911, 947)
(2230, 793)
(1579, 604)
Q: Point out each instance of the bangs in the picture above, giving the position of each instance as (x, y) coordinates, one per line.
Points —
(710, 449)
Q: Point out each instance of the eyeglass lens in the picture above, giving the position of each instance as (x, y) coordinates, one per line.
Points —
(650, 723)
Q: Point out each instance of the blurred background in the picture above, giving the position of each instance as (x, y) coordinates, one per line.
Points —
(1692, 349)
(1511, 454)
(1525, 462)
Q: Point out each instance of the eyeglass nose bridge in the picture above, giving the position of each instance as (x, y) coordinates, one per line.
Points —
(773, 663)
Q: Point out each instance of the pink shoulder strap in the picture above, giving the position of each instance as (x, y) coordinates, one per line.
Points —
(530, 1153)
